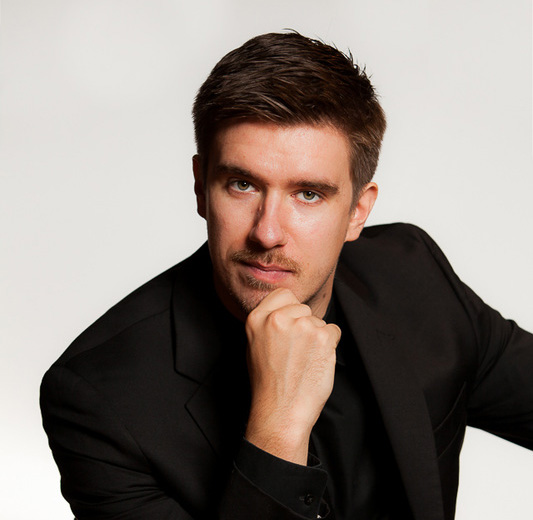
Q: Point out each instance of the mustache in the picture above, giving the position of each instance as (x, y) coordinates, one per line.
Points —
(267, 258)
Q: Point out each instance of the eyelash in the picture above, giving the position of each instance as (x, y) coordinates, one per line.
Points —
(234, 184)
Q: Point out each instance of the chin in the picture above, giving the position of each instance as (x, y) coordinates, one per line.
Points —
(248, 302)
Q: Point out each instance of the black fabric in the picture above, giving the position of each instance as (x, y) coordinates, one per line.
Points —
(349, 448)
(298, 488)
(350, 440)
(145, 422)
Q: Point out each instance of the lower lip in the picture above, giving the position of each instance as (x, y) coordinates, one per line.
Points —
(268, 276)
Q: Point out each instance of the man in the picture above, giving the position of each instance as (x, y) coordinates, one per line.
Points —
(296, 366)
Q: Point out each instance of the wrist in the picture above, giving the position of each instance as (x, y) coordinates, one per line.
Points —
(281, 437)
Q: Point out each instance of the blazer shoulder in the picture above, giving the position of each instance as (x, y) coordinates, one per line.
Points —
(388, 262)
(150, 299)
(395, 231)
(385, 241)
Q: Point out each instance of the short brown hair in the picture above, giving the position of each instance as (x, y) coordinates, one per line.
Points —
(288, 79)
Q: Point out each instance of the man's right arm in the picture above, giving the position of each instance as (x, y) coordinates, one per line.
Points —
(105, 473)
(291, 363)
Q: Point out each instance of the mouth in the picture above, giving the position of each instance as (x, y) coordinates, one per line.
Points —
(267, 267)
(267, 270)
(267, 273)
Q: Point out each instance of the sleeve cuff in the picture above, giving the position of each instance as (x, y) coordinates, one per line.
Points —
(298, 488)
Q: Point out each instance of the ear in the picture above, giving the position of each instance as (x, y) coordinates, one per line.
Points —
(199, 185)
(362, 210)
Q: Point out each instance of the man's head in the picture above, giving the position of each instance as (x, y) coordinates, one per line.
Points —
(288, 133)
(288, 79)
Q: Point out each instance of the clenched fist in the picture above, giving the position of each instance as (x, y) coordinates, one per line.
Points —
(291, 362)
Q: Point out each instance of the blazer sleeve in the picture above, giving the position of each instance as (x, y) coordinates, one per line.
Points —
(103, 471)
(501, 391)
(105, 474)
(501, 401)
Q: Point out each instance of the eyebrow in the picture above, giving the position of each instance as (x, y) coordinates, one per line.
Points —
(323, 187)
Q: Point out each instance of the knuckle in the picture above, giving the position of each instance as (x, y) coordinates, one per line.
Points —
(276, 318)
(335, 331)
(339, 334)
(253, 318)
(322, 336)
(305, 325)
(306, 310)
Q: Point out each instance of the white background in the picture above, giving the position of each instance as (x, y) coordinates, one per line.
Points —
(96, 189)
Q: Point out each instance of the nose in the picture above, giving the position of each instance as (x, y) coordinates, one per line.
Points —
(268, 229)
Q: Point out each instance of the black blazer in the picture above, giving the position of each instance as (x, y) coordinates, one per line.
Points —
(145, 410)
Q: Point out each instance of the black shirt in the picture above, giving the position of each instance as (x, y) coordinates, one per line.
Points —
(351, 467)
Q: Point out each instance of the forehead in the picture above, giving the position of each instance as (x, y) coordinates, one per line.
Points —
(304, 151)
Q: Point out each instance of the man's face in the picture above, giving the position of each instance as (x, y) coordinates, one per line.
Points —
(278, 205)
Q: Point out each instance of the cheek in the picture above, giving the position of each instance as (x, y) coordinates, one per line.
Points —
(303, 221)
(322, 230)
(227, 224)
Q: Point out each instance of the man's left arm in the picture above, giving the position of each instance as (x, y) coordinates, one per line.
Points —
(501, 401)
(501, 392)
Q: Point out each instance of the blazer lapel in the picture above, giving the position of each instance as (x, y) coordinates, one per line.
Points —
(219, 413)
(400, 398)
(199, 321)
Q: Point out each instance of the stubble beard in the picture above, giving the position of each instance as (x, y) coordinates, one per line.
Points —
(262, 289)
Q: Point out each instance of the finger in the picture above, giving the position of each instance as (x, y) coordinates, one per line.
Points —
(276, 299)
(295, 311)
(317, 322)
(334, 331)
